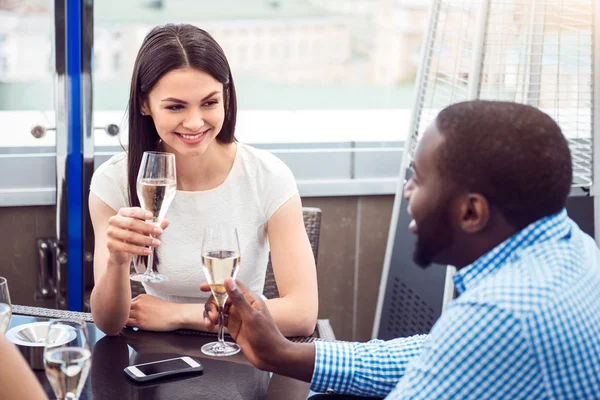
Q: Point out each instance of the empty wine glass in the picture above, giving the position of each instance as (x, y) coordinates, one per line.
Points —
(5, 306)
(156, 188)
(220, 260)
(67, 358)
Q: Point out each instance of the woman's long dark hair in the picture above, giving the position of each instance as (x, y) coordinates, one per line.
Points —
(165, 49)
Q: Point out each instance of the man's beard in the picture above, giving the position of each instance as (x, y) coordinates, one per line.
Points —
(434, 235)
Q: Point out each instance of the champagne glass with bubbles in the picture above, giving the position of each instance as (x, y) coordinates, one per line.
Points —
(156, 188)
(67, 358)
(5, 306)
(220, 260)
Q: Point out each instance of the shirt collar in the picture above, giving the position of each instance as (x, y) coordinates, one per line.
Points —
(553, 226)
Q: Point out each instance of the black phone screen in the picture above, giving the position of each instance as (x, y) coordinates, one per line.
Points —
(163, 366)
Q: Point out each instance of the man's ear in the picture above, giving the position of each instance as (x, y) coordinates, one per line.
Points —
(474, 213)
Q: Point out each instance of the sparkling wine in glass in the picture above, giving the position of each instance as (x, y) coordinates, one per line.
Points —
(220, 260)
(156, 188)
(5, 306)
(67, 358)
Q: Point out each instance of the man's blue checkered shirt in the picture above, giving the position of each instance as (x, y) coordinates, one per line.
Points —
(526, 325)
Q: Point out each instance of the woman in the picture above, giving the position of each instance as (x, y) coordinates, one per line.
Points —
(183, 101)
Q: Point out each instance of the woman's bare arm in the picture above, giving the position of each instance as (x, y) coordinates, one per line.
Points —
(17, 381)
(295, 311)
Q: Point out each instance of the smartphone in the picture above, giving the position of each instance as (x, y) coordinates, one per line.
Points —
(163, 368)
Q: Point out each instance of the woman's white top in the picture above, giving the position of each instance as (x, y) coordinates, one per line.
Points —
(257, 185)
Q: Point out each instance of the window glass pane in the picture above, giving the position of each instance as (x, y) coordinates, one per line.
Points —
(26, 73)
(355, 56)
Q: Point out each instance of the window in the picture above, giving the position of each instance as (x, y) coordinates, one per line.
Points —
(26, 100)
(294, 62)
(3, 66)
(258, 53)
(116, 62)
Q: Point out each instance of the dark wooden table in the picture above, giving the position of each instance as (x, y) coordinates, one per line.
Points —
(227, 378)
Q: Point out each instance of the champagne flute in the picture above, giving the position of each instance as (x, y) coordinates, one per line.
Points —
(5, 306)
(156, 188)
(220, 260)
(67, 358)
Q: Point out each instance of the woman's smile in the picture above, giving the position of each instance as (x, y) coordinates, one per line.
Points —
(194, 138)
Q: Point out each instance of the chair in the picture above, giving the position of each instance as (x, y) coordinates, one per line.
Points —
(136, 287)
(312, 222)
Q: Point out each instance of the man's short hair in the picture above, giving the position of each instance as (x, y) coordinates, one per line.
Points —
(513, 154)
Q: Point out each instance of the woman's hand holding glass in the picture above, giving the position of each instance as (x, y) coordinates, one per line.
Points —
(130, 235)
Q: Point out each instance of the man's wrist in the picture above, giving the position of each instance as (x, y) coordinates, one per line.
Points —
(296, 360)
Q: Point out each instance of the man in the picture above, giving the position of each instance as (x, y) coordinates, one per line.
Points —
(491, 180)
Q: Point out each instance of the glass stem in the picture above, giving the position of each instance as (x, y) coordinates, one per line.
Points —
(150, 269)
(221, 326)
